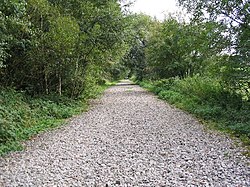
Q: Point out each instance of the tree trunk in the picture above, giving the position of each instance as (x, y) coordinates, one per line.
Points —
(60, 84)
(46, 83)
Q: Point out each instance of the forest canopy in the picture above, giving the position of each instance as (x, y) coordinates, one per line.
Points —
(65, 47)
(54, 46)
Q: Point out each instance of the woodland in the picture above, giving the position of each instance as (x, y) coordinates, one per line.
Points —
(55, 55)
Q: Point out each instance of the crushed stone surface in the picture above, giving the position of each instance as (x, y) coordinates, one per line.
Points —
(128, 138)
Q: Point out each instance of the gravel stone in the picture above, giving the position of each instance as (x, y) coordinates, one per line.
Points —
(128, 138)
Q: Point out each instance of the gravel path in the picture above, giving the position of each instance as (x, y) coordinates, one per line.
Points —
(129, 138)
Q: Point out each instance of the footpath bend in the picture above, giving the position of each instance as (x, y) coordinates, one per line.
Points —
(128, 138)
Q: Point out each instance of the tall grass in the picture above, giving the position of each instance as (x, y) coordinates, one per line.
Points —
(209, 100)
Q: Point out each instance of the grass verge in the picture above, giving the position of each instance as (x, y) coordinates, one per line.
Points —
(22, 116)
(209, 101)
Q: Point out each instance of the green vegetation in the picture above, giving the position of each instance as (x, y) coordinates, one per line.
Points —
(63, 47)
(22, 116)
(207, 100)
(55, 54)
(201, 66)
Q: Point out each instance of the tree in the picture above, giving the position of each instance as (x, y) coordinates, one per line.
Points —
(235, 16)
(15, 36)
(58, 46)
(181, 49)
(139, 31)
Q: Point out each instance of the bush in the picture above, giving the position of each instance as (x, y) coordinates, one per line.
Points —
(164, 84)
(208, 91)
(172, 96)
(22, 116)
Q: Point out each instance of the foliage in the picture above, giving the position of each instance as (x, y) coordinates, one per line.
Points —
(202, 66)
(68, 48)
(22, 116)
(47, 46)
(135, 58)
(234, 15)
(54, 55)
(180, 49)
(207, 99)
(14, 32)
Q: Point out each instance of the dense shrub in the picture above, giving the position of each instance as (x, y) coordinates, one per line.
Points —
(208, 91)
(22, 116)
(163, 84)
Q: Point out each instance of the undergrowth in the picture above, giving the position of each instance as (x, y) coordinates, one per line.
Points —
(22, 116)
(208, 100)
